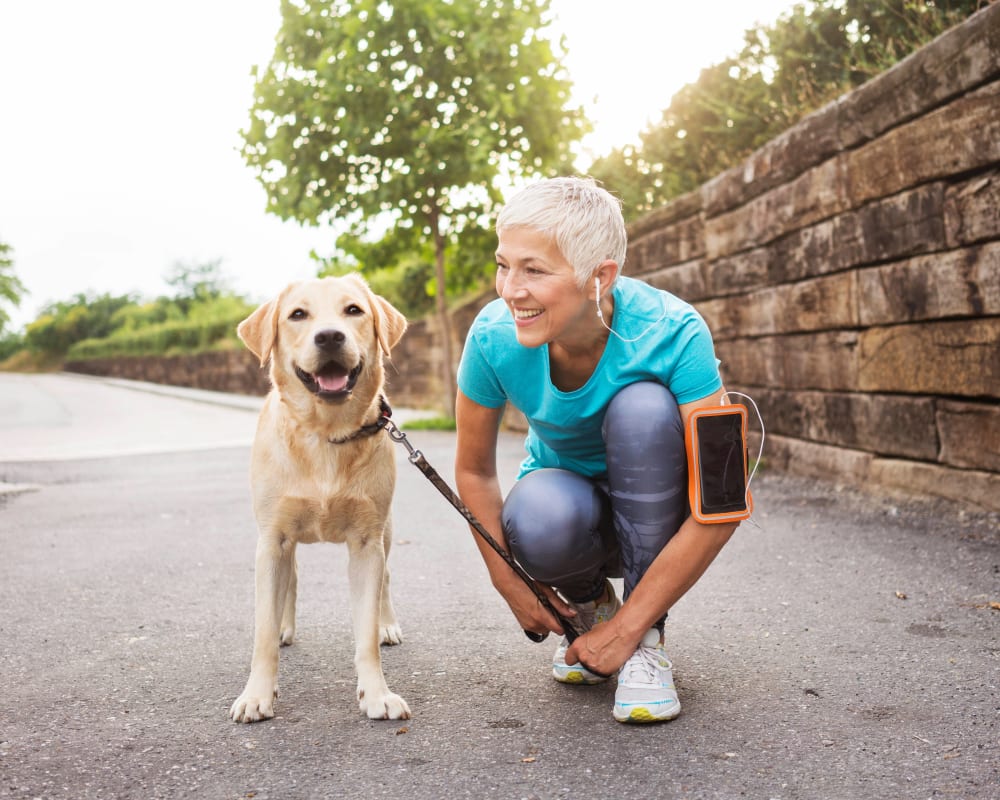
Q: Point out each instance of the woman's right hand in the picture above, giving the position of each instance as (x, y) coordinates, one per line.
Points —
(531, 615)
(476, 479)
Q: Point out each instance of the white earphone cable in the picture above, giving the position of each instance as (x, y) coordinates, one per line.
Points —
(600, 316)
(760, 451)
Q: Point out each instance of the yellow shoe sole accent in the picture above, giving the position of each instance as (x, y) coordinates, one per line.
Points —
(576, 677)
(644, 715)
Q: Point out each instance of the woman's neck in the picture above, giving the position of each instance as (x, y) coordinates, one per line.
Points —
(573, 361)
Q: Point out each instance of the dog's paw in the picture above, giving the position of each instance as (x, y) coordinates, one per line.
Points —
(253, 706)
(383, 706)
(287, 636)
(390, 634)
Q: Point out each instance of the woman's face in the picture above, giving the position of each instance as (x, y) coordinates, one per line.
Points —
(539, 287)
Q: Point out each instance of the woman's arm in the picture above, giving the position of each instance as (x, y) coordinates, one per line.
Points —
(676, 569)
(479, 488)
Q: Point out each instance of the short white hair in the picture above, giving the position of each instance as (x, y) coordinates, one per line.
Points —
(584, 220)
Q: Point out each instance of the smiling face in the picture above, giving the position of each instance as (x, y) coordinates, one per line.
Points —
(326, 332)
(540, 289)
(325, 340)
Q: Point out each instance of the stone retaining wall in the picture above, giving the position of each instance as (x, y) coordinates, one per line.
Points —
(236, 371)
(413, 374)
(850, 273)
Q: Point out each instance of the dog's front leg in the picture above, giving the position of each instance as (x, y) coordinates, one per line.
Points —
(365, 573)
(273, 568)
(287, 635)
(388, 627)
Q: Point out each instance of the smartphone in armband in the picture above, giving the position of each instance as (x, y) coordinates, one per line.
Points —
(716, 440)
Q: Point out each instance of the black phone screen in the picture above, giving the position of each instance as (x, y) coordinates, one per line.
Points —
(721, 456)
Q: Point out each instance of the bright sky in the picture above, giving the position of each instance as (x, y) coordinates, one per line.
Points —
(120, 129)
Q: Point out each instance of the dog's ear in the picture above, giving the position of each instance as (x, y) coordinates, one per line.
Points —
(390, 324)
(260, 329)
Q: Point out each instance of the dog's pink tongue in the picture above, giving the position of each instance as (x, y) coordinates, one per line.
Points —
(331, 383)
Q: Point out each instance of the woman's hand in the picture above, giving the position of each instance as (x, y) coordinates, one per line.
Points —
(476, 478)
(530, 613)
(603, 649)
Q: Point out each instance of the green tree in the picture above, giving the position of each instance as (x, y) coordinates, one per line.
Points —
(10, 343)
(143, 315)
(811, 55)
(84, 316)
(11, 288)
(196, 283)
(410, 111)
(708, 126)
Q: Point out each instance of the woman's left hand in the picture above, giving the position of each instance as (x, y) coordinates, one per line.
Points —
(603, 649)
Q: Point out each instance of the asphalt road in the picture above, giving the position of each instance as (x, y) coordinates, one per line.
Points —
(842, 646)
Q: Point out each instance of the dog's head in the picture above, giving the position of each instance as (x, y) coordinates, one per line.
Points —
(324, 332)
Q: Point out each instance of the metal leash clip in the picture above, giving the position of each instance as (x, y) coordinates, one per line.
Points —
(398, 436)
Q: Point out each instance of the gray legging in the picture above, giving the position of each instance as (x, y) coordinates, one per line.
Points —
(572, 532)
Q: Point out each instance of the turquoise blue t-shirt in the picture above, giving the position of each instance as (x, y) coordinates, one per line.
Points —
(565, 427)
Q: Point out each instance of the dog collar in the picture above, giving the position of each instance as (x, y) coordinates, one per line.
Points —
(368, 430)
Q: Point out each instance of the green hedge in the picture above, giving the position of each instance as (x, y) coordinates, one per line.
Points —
(168, 338)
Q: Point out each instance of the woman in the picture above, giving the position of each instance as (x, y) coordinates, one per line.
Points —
(606, 369)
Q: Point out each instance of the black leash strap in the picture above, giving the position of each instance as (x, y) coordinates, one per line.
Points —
(418, 460)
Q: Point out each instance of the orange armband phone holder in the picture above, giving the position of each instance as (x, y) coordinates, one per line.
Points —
(718, 490)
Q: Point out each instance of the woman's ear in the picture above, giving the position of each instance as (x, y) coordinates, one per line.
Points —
(604, 276)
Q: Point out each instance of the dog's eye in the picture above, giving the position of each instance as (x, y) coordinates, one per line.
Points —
(299, 313)
(354, 310)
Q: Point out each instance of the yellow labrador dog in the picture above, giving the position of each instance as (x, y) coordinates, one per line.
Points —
(322, 470)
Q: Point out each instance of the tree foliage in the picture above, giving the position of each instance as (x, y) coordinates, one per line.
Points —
(197, 282)
(11, 288)
(408, 107)
(103, 325)
(811, 55)
(84, 316)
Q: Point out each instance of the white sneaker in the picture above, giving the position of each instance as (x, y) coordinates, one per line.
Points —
(646, 690)
(588, 615)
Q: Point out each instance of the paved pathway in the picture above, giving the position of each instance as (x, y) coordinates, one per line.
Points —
(842, 646)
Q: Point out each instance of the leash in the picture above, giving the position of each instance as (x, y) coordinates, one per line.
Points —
(418, 460)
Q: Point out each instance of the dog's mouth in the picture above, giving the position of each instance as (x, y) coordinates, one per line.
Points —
(332, 381)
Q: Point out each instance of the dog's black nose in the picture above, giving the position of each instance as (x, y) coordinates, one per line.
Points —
(328, 339)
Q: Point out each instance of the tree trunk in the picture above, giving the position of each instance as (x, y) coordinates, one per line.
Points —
(444, 321)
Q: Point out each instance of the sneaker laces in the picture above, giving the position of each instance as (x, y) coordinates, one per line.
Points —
(645, 664)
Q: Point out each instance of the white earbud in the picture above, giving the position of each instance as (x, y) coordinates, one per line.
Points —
(597, 298)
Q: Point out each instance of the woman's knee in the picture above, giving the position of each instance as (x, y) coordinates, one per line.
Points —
(552, 522)
(644, 412)
(647, 473)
